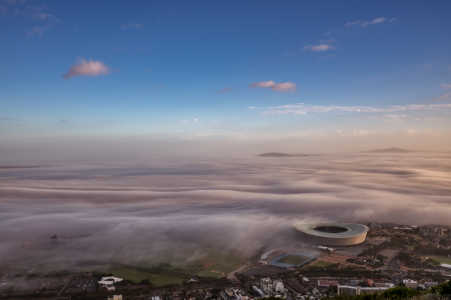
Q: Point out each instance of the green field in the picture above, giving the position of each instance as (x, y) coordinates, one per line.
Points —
(323, 264)
(440, 259)
(224, 264)
(137, 276)
(293, 259)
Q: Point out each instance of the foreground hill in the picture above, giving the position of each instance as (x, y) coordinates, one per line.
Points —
(390, 150)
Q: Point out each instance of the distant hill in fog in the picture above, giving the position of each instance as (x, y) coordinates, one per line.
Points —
(277, 154)
(390, 150)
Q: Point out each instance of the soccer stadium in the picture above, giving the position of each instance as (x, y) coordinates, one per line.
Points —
(332, 234)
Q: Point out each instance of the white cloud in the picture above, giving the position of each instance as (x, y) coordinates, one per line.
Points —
(321, 47)
(38, 30)
(278, 87)
(195, 120)
(303, 109)
(87, 68)
(446, 86)
(378, 20)
(443, 97)
(365, 23)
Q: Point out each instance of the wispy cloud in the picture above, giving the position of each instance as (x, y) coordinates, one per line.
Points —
(87, 68)
(443, 97)
(278, 87)
(38, 30)
(303, 109)
(446, 86)
(317, 48)
(365, 23)
(132, 26)
(223, 91)
(427, 65)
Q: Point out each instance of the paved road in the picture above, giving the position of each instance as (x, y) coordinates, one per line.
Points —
(232, 275)
(393, 265)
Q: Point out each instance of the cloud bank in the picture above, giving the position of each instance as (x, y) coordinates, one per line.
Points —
(134, 212)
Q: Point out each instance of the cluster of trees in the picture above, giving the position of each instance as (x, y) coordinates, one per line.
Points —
(333, 271)
(416, 261)
(395, 242)
(432, 250)
(438, 292)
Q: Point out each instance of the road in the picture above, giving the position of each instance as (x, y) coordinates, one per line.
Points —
(396, 277)
(232, 275)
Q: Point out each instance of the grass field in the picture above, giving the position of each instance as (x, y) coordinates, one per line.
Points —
(440, 259)
(293, 259)
(137, 276)
(323, 264)
(223, 264)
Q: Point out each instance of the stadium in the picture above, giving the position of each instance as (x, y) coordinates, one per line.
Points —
(332, 234)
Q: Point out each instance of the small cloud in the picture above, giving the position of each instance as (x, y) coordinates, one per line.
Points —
(38, 30)
(87, 68)
(365, 23)
(195, 120)
(118, 49)
(443, 97)
(134, 25)
(278, 87)
(223, 91)
(378, 20)
(433, 119)
(427, 65)
(317, 48)
(329, 33)
(64, 121)
(446, 86)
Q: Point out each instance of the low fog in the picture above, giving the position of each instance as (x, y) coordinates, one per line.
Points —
(154, 211)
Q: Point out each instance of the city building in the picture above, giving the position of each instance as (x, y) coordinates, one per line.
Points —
(278, 286)
(410, 283)
(266, 285)
(358, 290)
(258, 291)
(332, 234)
(327, 283)
(115, 297)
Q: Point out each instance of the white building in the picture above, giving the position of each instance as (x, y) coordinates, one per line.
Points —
(258, 291)
(358, 290)
(115, 297)
(278, 286)
(266, 285)
(109, 280)
(240, 295)
(410, 283)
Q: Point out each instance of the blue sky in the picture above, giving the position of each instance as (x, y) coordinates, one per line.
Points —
(156, 68)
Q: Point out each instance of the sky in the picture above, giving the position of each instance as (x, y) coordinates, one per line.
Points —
(79, 78)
